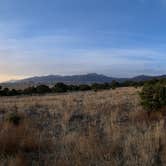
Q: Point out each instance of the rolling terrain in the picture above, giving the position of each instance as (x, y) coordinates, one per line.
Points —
(85, 128)
(74, 80)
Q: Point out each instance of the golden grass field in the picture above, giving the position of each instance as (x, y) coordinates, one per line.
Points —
(104, 128)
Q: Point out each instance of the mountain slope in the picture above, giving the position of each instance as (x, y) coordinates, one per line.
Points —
(74, 79)
(145, 78)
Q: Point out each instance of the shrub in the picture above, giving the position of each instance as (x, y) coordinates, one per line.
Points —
(73, 88)
(60, 88)
(97, 86)
(84, 87)
(153, 96)
(29, 90)
(13, 92)
(5, 92)
(114, 84)
(42, 89)
(14, 118)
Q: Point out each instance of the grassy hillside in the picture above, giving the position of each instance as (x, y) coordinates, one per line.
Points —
(84, 128)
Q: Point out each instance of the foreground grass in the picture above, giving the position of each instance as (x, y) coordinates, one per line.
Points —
(85, 128)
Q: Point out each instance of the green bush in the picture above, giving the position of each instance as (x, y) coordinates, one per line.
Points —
(153, 96)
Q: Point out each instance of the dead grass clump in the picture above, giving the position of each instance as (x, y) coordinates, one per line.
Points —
(18, 160)
(19, 140)
(147, 117)
(14, 118)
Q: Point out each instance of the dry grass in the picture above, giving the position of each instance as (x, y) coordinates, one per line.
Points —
(85, 128)
(19, 142)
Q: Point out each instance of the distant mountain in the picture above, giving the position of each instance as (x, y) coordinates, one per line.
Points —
(74, 79)
(141, 78)
(146, 78)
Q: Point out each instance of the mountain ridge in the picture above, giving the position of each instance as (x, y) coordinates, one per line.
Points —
(76, 79)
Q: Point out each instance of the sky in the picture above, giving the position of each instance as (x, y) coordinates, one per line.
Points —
(120, 38)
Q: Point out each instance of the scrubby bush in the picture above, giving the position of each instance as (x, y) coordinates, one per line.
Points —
(60, 87)
(153, 96)
(97, 86)
(13, 118)
(5, 92)
(13, 92)
(114, 84)
(73, 88)
(42, 89)
(30, 90)
(84, 87)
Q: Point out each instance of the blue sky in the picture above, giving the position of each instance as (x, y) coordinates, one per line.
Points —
(121, 38)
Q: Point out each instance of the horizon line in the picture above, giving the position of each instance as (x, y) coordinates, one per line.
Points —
(65, 75)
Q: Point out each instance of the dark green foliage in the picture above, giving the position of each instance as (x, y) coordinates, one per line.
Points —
(97, 86)
(130, 83)
(153, 96)
(84, 87)
(13, 118)
(41, 89)
(114, 84)
(30, 90)
(5, 92)
(13, 92)
(60, 87)
(73, 88)
(153, 81)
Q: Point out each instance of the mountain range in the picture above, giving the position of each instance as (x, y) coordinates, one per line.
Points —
(74, 79)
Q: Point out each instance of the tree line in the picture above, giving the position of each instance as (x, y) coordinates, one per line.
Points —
(61, 87)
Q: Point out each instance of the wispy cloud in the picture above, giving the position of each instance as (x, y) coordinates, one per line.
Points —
(113, 52)
(115, 61)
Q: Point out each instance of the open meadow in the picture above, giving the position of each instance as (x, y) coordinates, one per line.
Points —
(100, 128)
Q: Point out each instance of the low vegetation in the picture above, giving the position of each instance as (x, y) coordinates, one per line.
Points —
(61, 87)
(58, 88)
(153, 96)
(111, 127)
(85, 128)
(21, 143)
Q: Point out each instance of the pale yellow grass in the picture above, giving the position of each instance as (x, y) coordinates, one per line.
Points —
(95, 128)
